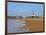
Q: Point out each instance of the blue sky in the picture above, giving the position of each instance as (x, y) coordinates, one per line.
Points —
(24, 9)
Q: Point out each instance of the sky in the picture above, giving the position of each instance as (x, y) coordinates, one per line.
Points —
(24, 9)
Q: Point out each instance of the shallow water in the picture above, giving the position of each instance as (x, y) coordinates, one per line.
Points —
(14, 25)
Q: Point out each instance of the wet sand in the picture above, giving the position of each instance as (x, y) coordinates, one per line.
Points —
(25, 25)
(34, 25)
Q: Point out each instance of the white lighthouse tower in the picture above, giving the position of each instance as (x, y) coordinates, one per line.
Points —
(33, 13)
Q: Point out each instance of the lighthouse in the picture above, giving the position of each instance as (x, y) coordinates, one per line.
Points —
(33, 14)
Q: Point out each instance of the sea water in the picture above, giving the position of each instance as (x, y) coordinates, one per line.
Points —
(14, 25)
